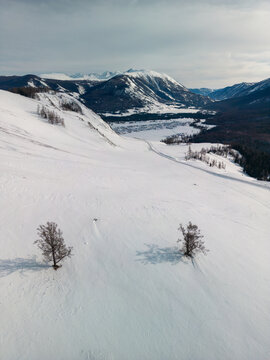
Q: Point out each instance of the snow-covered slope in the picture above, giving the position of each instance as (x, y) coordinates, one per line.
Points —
(150, 75)
(126, 293)
(236, 90)
(224, 93)
(230, 91)
(254, 87)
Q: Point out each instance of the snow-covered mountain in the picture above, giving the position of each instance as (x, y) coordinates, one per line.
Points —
(237, 90)
(126, 293)
(133, 91)
(255, 98)
(106, 75)
(224, 93)
(254, 87)
(10, 82)
(79, 76)
(140, 90)
(230, 91)
(59, 76)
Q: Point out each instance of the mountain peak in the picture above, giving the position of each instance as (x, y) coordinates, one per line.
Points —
(106, 75)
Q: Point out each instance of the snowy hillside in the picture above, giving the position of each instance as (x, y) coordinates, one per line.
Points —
(254, 87)
(224, 93)
(236, 90)
(149, 75)
(126, 294)
(230, 91)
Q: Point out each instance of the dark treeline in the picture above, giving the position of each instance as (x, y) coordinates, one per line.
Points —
(51, 116)
(71, 106)
(28, 91)
(249, 133)
(148, 116)
(177, 139)
(254, 162)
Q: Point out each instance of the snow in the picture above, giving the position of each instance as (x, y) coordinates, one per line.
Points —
(92, 76)
(109, 74)
(56, 76)
(151, 74)
(126, 293)
(156, 108)
(31, 84)
(81, 89)
(155, 130)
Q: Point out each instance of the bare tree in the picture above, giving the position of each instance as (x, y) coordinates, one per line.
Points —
(70, 105)
(51, 242)
(52, 116)
(192, 240)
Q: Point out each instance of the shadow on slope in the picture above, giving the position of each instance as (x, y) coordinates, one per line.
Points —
(157, 255)
(9, 266)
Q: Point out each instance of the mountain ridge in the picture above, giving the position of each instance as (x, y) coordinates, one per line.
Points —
(132, 91)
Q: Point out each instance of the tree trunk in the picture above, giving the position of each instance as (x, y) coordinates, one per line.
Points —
(55, 266)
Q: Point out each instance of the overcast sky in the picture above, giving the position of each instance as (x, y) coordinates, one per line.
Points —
(201, 43)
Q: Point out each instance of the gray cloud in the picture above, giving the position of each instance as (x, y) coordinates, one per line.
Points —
(200, 43)
(134, 2)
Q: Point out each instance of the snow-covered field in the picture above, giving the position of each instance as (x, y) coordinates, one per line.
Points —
(154, 130)
(126, 294)
(156, 108)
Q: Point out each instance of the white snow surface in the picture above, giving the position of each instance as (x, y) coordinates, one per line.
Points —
(150, 74)
(156, 108)
(126, 293)
(155, 130)
(91, 76)
(57, 76)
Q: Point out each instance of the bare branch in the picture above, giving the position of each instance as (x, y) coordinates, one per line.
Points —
(192, 240)
(51, 243)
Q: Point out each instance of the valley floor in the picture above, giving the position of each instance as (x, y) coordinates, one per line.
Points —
(126, 294)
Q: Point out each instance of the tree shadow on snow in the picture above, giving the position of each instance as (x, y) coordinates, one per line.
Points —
(9, 266)
(158, 255)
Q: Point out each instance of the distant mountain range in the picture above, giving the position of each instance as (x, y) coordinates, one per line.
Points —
(106, 75)
(223, 93)
(141, 91)
(132, 91)
(236, 90)
(245, 97)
